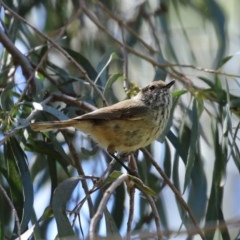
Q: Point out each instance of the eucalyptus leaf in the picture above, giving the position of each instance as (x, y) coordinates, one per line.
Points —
(20, 181)
(53, 111)
(61, 196)
(193, 144)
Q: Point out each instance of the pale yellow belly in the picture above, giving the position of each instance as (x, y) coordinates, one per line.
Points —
(112, 135)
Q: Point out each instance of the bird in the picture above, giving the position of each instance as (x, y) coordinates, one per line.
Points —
(126, 126)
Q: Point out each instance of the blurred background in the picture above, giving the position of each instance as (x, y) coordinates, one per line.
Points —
(61, 59)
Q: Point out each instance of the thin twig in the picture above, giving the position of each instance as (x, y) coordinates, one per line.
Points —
(73, 102)
(132, 164)
(94, 221)
(17, 56)
(155, 214)
(131, 191)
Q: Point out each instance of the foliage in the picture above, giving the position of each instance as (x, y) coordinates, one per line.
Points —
(60, 59)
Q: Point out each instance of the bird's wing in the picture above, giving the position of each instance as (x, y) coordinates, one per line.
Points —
(127, 109)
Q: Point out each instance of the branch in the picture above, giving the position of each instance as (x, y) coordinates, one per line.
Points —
(103, 203)
(156, 216)
(17, 56)
(131, 192)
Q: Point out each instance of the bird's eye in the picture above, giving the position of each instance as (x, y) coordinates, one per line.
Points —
(152, 87)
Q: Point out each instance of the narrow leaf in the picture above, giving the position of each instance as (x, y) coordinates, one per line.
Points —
(92, 73)
(193, 144)
(53, 111)
(60, 198)
(16, 157)
(110, 82)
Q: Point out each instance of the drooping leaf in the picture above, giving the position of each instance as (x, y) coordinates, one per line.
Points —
(197, 200)
(110, 82)
(167, 161)
(142, 187)
(53, 150)
(177, 145)
(20, 181)
(84, 62)
(53, 111)
(224, 60)
(102, 67)
(193, 144)
(216, 194)
(61, 196)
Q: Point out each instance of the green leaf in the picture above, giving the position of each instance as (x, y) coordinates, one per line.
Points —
(142, 187)
(197, 200)
(53, 150)
(112, 177)
(139, 184)
(224, 60)
(110, 82)
(217, 16)
(224, 226)
(20, 181)
(193, 144)
(60, 198)
(178, 93)
(235, 148)
(102, 67)
(61, 72)
(92, 73)
(216, 194)
(235, 106)
(177, 145)
(53, 111)
(167, 160)
(6, 102)
(207, 81)
(176, 172)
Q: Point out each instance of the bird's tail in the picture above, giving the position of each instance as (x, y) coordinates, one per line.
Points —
(51, 125)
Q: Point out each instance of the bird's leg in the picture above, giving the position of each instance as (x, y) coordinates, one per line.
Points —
(118, 159)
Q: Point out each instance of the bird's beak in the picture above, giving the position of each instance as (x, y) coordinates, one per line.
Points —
(168, 85)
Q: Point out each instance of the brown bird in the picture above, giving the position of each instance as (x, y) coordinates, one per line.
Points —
(127, 125)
